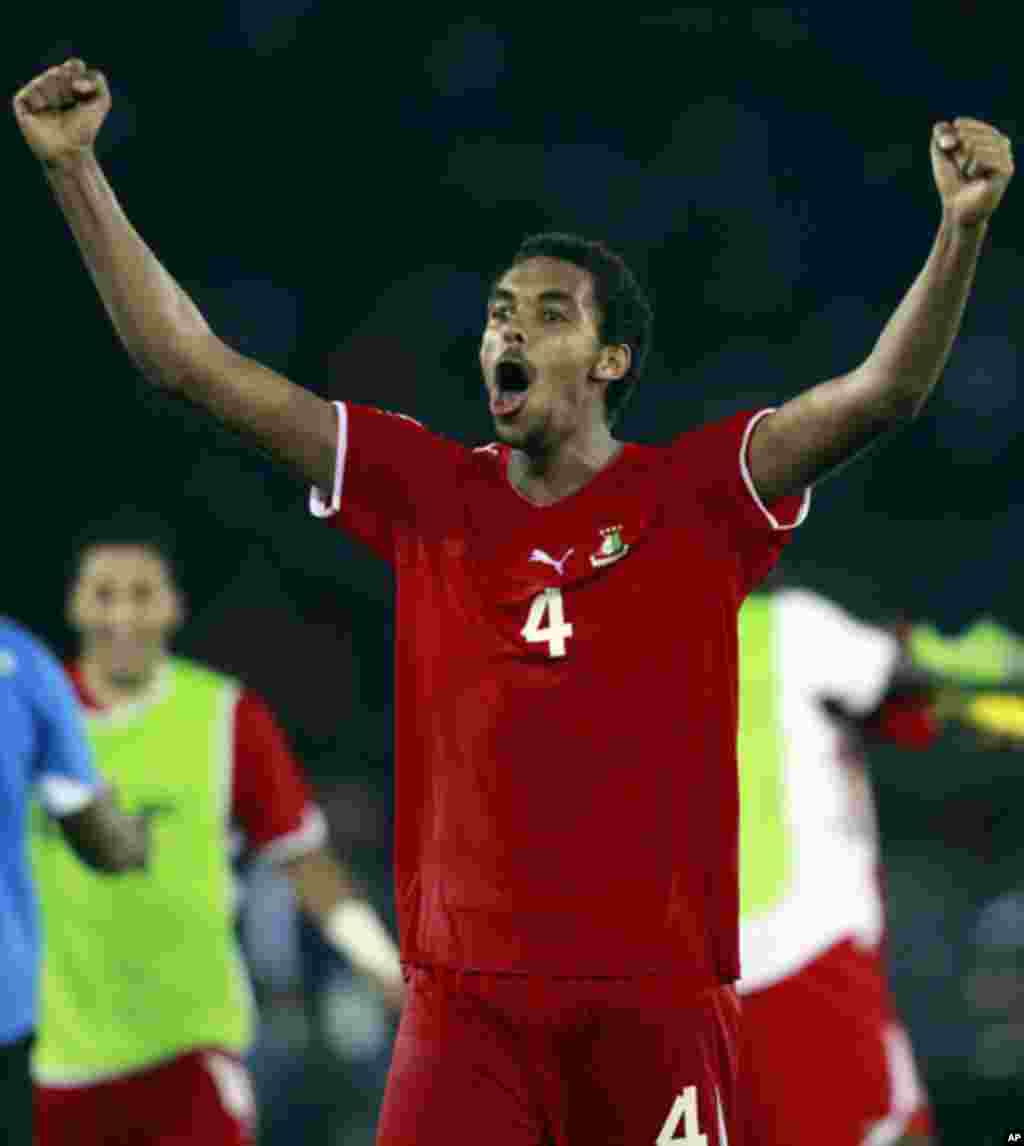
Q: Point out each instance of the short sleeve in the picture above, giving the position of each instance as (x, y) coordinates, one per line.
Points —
(271, 801)
(847, 661)
(65, 773)
(711, 464)
(391, 475)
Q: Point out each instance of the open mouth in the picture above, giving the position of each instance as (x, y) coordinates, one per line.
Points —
(512, 376)
(512, 380)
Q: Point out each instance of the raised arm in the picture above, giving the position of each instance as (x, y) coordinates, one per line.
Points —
(60, 113)
(826, 426)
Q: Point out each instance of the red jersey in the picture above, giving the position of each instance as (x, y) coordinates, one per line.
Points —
(566, 697)
(272, 809)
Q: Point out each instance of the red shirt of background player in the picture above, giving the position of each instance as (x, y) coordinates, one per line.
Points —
(271, 804)
(566, 697)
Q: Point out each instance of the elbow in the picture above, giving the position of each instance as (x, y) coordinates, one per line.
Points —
(171, 363)
(894, 397)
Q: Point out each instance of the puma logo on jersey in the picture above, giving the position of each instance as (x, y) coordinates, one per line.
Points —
(547, 559)
(611, 549)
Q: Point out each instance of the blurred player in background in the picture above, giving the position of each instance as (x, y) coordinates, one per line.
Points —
(145, 1007)
(815, 686)
(566, 824)
(43, 751)
(984, 669)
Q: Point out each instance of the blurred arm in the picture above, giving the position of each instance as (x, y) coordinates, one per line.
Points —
(987, 654)
(348, 922)
(105, 838)
(271, 801)
(826, 426)
(907, 715)
(170, 341)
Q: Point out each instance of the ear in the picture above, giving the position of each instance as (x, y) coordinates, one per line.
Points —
(72, 605)
(613, 364)
(180, 609)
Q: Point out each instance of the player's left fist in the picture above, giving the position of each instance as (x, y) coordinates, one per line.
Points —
(973, 164)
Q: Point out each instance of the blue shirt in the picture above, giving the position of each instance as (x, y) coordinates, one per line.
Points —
(43, 751)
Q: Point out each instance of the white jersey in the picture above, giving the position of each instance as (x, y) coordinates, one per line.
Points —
(809, 846)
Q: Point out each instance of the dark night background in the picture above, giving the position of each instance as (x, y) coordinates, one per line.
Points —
(336, 186)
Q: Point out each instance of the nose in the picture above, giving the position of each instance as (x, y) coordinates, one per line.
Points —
(122, 615)
(511, 335)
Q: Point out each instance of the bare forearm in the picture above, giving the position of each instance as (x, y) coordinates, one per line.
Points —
(170, 341)
(153, 317)
(320, 882)
(826, 426)
(348, 922)
(913, 349)
(105, 838)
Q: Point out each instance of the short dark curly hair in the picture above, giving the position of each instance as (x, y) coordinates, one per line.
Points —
(127, 526)
(627, 317)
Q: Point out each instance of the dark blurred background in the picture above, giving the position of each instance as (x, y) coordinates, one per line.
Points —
(336, 186)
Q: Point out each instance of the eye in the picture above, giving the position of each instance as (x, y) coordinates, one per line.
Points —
(553, 316)
(143, 594)
(499, 311)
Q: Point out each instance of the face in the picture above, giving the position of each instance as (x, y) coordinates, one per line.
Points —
(125, 607)
(541, 354)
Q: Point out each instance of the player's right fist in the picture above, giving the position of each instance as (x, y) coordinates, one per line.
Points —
(61, 111)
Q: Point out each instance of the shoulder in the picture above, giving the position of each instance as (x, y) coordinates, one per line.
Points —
(487, 462)
(15, 636)
(721, 434)
(24, 651)
(806, 602)
(812, 608)
(374, 423)
(203, 675)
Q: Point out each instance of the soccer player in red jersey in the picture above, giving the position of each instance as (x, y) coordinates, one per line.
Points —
(566, 657)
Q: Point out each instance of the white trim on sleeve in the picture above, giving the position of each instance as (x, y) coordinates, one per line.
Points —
(318, 505)
(805, 503)
(307, 837)
(61, 796)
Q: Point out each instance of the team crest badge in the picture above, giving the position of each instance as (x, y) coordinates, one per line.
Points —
(611, 549)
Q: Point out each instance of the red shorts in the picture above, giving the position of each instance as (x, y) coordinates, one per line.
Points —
(825, 1058)
(201, 1096)
(521, 1060)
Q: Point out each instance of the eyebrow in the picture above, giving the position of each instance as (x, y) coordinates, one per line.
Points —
(501, 294)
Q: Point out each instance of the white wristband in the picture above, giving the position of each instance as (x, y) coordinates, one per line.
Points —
(356, 929)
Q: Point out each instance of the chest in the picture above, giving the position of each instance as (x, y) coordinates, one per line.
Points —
(609, 578)
(172, 755)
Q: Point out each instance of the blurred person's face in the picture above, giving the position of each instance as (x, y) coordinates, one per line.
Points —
(124, 606)
(541, 354)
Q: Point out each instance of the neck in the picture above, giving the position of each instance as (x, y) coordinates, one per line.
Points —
(547, 477)
(110, 688)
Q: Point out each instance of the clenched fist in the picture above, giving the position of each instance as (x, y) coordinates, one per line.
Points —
(973, 163)
(61, 111)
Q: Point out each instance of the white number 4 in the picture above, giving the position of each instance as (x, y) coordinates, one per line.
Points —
(684, 1107)
(548, 604)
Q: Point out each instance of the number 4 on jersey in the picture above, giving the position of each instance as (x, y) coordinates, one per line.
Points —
(548, 605)
(684, 1110)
